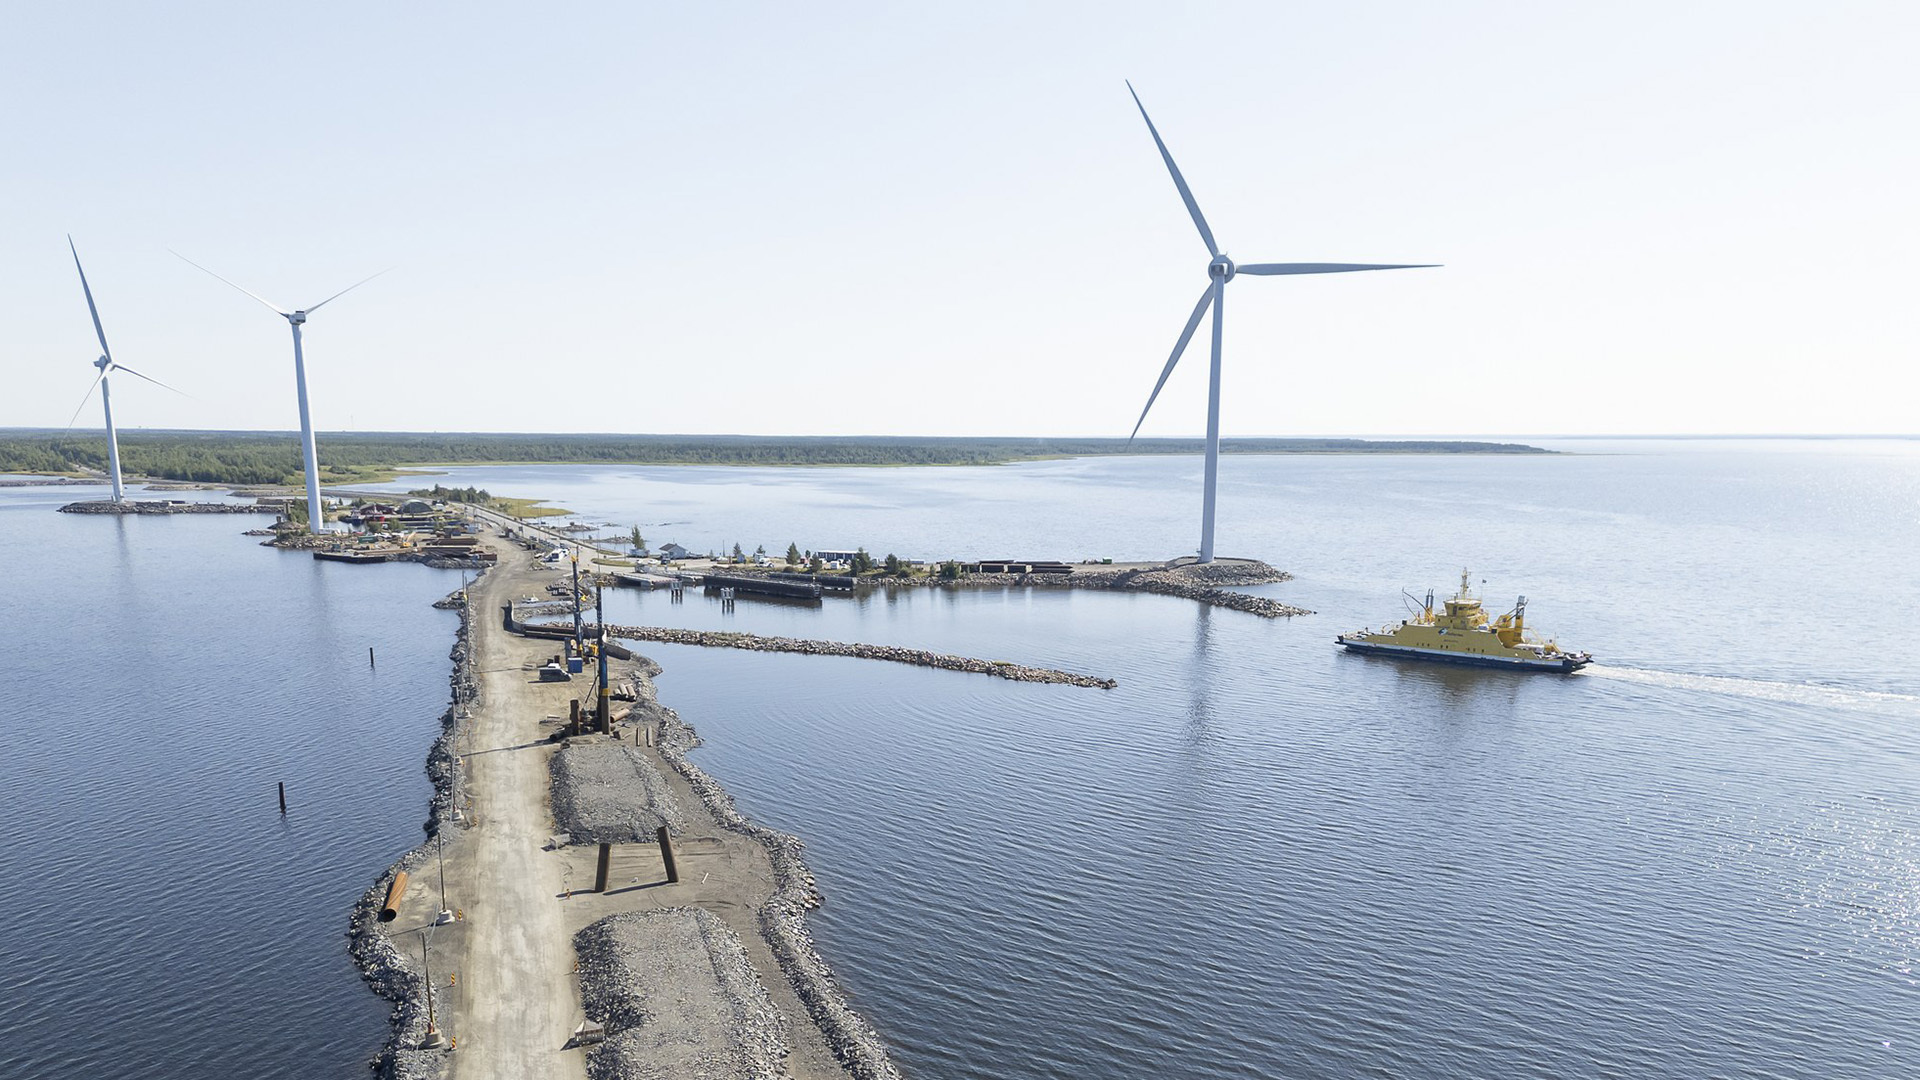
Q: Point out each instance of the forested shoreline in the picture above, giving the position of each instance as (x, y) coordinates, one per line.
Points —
(247, 457)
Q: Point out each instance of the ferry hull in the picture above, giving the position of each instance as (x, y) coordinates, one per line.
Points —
(1565, 665)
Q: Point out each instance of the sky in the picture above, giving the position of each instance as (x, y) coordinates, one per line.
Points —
(840, 219)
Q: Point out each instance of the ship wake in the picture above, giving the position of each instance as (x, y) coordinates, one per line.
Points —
(1795, 693)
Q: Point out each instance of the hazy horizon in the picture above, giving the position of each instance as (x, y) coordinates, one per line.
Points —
(1456, 436)
(765, 219)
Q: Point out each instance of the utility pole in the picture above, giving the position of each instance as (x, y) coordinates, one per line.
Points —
(440, 853)
(578, 637)
(434, 1040)
(606, 693)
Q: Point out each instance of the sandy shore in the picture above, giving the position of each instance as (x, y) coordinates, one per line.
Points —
(508, 973)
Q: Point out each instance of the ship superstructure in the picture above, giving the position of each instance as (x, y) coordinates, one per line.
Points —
(1459, 632)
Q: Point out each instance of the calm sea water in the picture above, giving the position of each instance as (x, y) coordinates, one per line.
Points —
(158, 677)
(1258, 856)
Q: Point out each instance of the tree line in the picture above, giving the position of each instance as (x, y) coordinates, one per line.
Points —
(274, 457)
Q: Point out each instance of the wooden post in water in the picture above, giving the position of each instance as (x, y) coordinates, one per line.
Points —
(283, 798)
(606, 865)
(369, 656)
(666, 856)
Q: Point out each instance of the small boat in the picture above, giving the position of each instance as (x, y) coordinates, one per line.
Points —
(1461, 633)
(352, 555)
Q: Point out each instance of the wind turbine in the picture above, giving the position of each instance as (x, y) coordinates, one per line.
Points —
(105, 364)
(1221, 270)
(296, 319)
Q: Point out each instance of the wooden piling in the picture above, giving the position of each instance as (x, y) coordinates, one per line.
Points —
(369, 656)
(283, 798)
(666, 856)
(606, 866)
(573, 717)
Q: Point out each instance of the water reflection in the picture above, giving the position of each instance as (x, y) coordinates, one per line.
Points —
(1200, 682)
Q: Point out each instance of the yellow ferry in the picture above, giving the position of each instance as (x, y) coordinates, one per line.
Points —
(1461, 633)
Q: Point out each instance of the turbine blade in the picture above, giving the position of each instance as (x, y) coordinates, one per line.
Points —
(1193, 323)
(270, 307)
(83, 400)
(346, 290)
(1275, 269)
(1178, 180)
(151, 379)
(91, 310)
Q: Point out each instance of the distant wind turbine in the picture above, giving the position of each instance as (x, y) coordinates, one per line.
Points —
(296, 319)
(105, 364)
(1221, 270)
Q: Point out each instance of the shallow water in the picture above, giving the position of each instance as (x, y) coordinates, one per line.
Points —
(161, 676)
(1262, 856)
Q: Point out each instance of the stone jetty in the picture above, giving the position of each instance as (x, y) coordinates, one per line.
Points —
(169, 506)
(727, 639)
(1204, 583)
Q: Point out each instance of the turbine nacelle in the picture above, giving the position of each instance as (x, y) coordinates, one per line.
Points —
(1220, 270)
(103, 364)
(309, 455)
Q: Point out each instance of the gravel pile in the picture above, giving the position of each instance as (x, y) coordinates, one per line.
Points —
(606, 792)
(679, 998)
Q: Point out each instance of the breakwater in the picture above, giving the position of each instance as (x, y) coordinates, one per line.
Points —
(386, 971)
(1203, 583)
(853, 1040)
(728, 639)
(155, 506)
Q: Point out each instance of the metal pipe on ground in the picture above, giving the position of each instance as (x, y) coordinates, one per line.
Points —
(390, 910)
(666, 856)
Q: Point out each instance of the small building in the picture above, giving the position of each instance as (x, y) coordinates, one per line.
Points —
(1017, 566)
(835, 556)
(673, 552)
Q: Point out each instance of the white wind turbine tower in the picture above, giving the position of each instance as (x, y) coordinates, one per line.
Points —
(1221, 270)
(106, 365)
(296, 319)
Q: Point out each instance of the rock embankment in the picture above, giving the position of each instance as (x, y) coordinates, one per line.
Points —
(783, 920)
(145, 507)
(605, 792)
(1205, 583)
(726, 639)
(678, 997)
(390, 974)
(1209, 583)
(51, 481)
